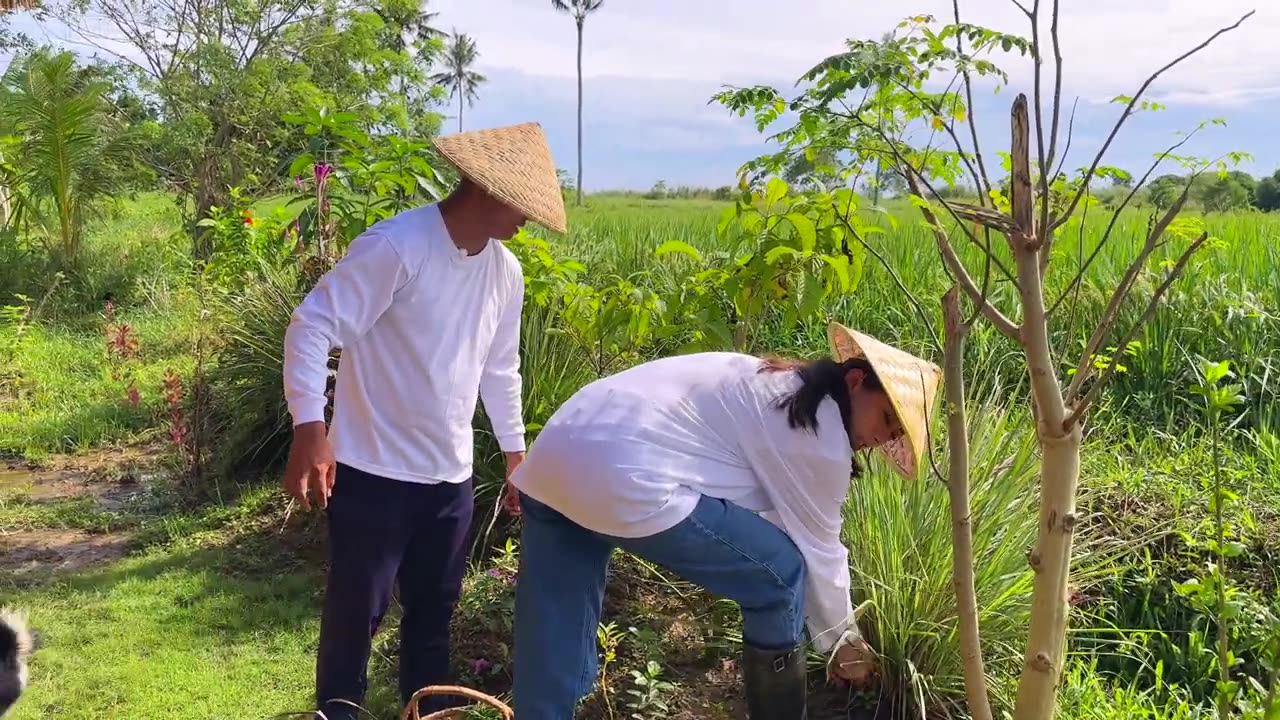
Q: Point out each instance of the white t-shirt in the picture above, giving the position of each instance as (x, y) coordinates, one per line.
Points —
(424, 328)
(630, 455)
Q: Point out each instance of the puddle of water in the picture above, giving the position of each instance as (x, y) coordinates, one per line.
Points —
(13, 480)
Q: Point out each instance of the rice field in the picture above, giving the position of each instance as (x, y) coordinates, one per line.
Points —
(1147, 467)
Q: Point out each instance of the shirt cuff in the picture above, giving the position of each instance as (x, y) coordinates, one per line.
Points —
(511, 443)
(308, 412)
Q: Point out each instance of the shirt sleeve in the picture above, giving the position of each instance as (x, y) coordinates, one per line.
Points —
(807, 485)
(342, 306)
(500, 381)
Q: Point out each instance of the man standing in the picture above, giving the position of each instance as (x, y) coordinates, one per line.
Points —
(426, 308)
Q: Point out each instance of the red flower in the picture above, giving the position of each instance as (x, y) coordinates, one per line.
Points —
(248, 219)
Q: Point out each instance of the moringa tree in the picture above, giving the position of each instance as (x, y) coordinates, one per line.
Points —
(906, 102)
(579, 9)
(459, 57)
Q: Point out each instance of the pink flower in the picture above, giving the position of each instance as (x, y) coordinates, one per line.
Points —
(322, 171)
(297, 181)
(134, 396)
(479, 666)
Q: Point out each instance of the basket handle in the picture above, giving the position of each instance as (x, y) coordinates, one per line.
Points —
(411, 709)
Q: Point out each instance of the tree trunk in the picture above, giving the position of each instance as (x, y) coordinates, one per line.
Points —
(1059, 453)
(6, 210)
(460, 97)
(975, 677)
(580, 112)
(210, 189)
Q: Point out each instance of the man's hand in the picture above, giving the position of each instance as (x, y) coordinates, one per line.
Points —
(511, 496)
(853, 662)
(311, 467)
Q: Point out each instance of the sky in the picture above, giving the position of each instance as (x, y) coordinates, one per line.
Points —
(651, 67)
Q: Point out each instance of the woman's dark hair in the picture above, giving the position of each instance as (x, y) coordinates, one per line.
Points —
(820, 379)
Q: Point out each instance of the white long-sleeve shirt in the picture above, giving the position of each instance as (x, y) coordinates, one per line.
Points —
(630, 455)
(423, 328)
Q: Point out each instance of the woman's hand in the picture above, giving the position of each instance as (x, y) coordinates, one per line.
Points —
(852, 662)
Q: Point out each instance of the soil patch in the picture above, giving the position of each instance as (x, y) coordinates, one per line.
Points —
(28, 555)
(112, 493)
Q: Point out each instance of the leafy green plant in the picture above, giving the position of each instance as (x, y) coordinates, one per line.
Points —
(13, 327)
(649, 696)
(348, 179)
(794, 255)
(242, 244)
(610, 638)
(1213, 593)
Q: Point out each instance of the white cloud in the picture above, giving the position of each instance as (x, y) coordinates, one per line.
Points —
(1110, 45)
(651, 67)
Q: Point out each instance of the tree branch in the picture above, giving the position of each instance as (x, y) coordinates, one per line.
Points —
(1047, 160)
(1120, 295)
(897, 280)
(1115, 217)
(975, 677)
(951, 131)
(985, 188)
(911, 171)
(1083, 406)
(953, 263)
(1128, 111)
(1071, 130)
(1041, 167)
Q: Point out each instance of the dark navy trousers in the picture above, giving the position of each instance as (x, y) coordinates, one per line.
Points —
(383, 532)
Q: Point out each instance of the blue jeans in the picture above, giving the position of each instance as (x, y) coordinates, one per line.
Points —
(731, 552)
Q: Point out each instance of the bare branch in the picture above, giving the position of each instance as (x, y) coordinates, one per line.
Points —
(1128, 111)
(951, 131)
(1120, 295)
(1083, 406)
(985, 187)
(1022, 7)
(1075, 306)
(897, 280)
(953, 263)
(986, 276)
(913, 172)
(1071, 129)
(1115, 217)
(1041, 166)
(1047, 161)
(1020, 196)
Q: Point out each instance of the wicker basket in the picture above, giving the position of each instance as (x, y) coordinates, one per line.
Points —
(411, 709)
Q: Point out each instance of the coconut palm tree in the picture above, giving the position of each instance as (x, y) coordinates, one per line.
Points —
(579, 9)
(67, 153)
(459, 56)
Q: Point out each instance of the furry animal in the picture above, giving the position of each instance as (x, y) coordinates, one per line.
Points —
(16, 645)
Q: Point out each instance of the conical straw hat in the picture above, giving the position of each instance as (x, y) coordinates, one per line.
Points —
(16, 5)
(910, 383)
(514, 165)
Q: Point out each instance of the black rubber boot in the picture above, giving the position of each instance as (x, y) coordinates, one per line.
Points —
(775, 684)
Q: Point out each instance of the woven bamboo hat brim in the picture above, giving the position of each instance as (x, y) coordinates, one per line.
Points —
(514, 165)
(910, 383)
